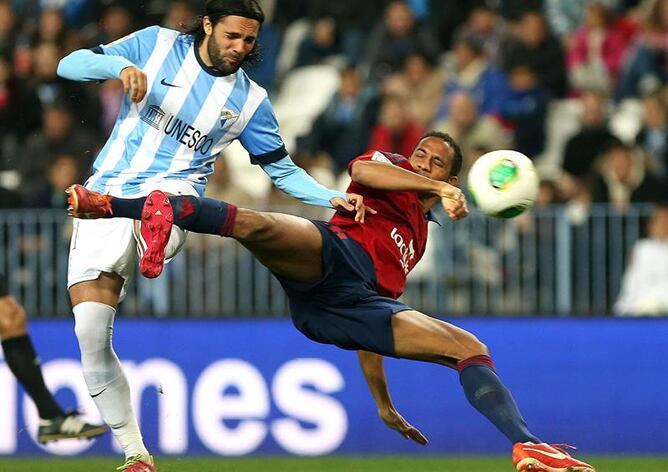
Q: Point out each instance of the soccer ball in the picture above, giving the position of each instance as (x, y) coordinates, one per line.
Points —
(503, 183)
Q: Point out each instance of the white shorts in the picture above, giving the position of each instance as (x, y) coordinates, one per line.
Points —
(110, 245)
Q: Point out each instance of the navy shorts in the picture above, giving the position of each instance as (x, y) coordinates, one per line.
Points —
(344, 307)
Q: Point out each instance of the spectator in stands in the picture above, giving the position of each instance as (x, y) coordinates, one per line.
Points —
(394, 38)
(534, 45)
(653, 136)
(524, 110)
(566, 16)
(594, 137)
(115, 22)
(342, 130)
(471, 130)
(420, 85)
(59, 136)
(353, 21)
(179, 16)
(50, 28)
(8, 28)
(77, 13)
(470, 70)
(646, 68)
(514, 10)
(486, 25)
(19, 114)
(321, 44)
(446, 18)
(62, 173)
(596, 52)
(622, 180)
(645, 284)
(49, 87)
(395, 131)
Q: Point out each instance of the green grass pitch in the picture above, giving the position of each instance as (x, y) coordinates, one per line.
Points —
(327, 464)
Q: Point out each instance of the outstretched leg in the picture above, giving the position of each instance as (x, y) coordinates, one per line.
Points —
(289, 246)
(421, 337)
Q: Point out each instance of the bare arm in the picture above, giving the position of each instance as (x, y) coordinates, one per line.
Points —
(388, 177)
(374, 373)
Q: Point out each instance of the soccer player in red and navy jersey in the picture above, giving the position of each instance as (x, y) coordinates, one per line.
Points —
(343, 277)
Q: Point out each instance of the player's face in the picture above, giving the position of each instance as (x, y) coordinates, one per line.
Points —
(432, 158)
(229, 42)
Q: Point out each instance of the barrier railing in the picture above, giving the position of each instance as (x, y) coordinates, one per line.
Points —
(553, 261)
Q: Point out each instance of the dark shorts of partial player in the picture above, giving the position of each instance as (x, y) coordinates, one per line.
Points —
(344, 307)
(4, 289)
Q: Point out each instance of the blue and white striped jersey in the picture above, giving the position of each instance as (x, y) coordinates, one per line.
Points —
(189, 115)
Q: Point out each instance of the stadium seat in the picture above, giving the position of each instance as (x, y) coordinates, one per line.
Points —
(304, 94)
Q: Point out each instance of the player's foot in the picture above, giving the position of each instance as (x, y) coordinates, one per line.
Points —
(157, 218)
(86, 204)
(543, 457)
(67, 427)
(138, 464)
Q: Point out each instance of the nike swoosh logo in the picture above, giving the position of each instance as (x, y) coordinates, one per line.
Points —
(558, 455)
(167, 84)
(98, 393)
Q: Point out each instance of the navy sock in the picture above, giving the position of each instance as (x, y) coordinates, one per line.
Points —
(127, 207)
(490, 397)
(200, 215)
(204, 215)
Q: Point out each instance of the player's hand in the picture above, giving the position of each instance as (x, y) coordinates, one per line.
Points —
(354, 203)
(134, 83)
(454, 202)
(394, 420)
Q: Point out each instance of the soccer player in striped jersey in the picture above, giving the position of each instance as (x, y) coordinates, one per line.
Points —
(187, 99)
(343, 278)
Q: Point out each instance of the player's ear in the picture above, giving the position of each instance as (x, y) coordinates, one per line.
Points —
(453, 180)
(207, 25)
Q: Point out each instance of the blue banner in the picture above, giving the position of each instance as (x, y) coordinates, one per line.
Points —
(247, 387)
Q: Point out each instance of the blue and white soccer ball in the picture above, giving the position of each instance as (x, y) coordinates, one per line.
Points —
(503, 183)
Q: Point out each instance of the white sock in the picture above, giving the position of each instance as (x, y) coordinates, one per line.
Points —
(104, 376)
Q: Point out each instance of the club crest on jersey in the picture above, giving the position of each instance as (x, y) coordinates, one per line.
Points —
(228, 118)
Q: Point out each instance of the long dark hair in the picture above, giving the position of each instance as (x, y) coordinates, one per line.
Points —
(218, 9)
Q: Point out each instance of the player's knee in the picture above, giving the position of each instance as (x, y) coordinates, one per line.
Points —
(13, 320)
(91, 335)
(474, 347)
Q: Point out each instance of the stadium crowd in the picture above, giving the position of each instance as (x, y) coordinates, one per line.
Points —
(577, 85)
